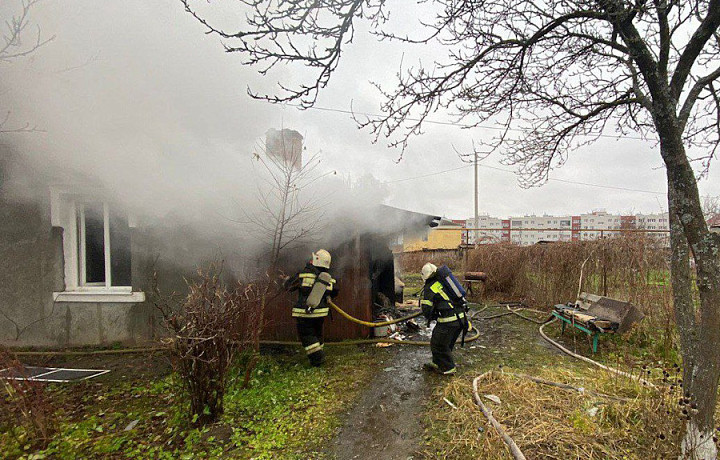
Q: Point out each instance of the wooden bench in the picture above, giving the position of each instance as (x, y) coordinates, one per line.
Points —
(594, 335)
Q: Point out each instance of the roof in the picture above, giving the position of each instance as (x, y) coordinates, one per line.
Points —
(409, 218)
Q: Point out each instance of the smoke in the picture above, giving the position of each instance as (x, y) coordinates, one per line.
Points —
(130, 97)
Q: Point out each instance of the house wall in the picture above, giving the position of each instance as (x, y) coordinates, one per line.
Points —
(31, 269)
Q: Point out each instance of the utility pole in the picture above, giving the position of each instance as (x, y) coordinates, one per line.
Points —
(477, 236)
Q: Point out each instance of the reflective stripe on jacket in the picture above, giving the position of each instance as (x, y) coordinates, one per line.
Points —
(303, 282)
(436, 303)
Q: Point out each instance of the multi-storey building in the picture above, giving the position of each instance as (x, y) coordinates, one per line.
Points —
(531, 229)
(492, 235)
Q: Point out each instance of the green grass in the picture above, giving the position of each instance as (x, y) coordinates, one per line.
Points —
(289, 412)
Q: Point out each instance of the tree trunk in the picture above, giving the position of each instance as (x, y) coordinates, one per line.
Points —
(699, 328)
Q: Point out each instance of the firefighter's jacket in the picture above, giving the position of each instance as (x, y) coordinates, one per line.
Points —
(303, 283)
(436, 304)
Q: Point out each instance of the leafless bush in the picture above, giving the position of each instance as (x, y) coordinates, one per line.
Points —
(210, 328)
(25, 404)
(544, 274)
(412, 262)
(633, 268)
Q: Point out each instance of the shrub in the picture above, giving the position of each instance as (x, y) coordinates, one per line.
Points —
(210, 328)
(26, 409)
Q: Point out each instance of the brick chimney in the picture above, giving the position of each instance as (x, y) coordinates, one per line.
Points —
(285, 145)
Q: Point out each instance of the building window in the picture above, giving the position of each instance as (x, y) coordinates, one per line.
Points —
(103, 246)
(96, 248)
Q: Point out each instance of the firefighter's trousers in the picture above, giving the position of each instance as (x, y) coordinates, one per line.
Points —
(310, 333)
(442, 342)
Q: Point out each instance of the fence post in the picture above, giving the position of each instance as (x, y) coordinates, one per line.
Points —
(604, 268)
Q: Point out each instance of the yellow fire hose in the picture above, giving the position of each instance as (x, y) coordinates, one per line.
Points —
(369, 323)
(347, 316)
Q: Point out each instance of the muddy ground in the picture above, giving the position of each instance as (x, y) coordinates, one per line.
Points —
(385, 421)
(388, 420)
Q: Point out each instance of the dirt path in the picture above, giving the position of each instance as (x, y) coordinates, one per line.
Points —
(385, 422)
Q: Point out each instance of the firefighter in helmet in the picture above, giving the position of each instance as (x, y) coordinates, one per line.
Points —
(437, 306)
(314, 285)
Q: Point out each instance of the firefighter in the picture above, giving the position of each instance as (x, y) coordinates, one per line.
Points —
(314, 285)
(437, 306)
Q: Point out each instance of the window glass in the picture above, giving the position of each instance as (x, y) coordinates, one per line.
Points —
(94, 243)
(119, 250)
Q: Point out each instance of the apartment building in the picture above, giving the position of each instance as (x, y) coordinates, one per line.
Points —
(494, 233)
(531, 229)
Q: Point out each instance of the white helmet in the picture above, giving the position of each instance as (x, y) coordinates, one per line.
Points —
(321, 258)
(428, 270)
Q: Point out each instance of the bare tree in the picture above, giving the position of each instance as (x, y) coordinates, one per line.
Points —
(286, 214)
(711, 207)
(14, 47)
(555, 75)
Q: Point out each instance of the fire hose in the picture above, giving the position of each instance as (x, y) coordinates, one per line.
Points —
(590, 361)
(370, 323)
(347, 316)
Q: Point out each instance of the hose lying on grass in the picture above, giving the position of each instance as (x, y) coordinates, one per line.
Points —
(424, 343)
(588, 360)
(514, 449)
(565, 386)
(471, 338)
(509, 312)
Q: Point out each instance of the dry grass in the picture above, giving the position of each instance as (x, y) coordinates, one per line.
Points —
(552, 423)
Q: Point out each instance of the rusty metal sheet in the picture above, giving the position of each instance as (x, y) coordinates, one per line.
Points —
(623, 313)
(351, 267)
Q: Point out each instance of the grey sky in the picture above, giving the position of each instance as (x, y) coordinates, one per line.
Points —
(136, 92)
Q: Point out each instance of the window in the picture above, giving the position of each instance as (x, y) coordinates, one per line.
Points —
(103, 245)
(96, 248)
(517, 223)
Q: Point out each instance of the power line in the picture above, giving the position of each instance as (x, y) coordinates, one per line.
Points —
(460, 125)
(444, 123)
(426, 175)
(495, 168)
(611, 187)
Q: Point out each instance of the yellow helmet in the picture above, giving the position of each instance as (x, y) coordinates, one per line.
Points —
(321, 258)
